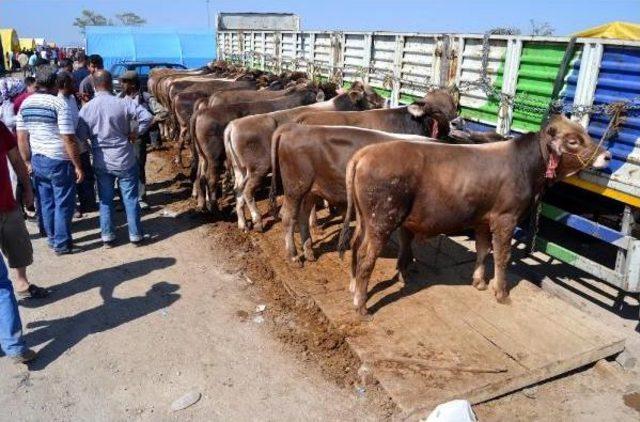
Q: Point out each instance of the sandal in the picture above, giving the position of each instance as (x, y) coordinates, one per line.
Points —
(33, 292)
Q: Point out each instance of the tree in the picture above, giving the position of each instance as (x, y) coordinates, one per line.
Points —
(130, 19)
(542, 29)
(91, 18)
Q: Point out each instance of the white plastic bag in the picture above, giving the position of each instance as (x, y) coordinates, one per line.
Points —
(453, 411)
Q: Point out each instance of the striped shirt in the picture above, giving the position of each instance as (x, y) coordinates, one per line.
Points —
(46, 117)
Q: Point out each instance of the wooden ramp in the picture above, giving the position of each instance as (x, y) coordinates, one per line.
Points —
(438, 338)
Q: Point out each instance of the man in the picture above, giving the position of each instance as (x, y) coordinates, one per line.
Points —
(48, 146)
(85, 189)
(32, 62)
(14, 237)
(131, 89)
(81, 70)
(23, 59)
(30, 83)
(106, 120)
(65, 65)
(86, 89)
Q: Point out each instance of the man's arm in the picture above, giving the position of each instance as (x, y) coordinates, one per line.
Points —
(68, 135)
(141, 115)
(25, 148)
(23, 176)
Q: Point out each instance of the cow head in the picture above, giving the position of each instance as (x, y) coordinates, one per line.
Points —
(363, 97)
(437, 110)
(569, 148)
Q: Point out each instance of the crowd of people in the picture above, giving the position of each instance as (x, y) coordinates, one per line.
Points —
(68, 144)
(27, 60)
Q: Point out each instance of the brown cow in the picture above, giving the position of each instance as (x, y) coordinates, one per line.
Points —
(208, 129)
(312, 163)
(247, 143)
(318, 157)
(428, 189)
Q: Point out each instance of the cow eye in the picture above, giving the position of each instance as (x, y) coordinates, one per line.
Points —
(573, 142)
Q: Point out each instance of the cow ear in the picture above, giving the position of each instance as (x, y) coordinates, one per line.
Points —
(320, 96)
(555, 142)
(355, 96)
(416, 109)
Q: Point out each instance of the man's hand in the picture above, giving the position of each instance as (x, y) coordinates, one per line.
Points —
(29, 168)
(79, 175)
(27, 197)
(133, 137)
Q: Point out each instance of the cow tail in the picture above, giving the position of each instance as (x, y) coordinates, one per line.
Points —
(275, 142)
(344, 233)
(232, 157)
(194, 148)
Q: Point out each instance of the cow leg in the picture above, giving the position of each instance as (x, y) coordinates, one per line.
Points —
(212, 187)
(483, 245)
(368, 253)
(502, 231)
(242, 223)
(249, 191)
(405, 254)
(289, 213)
(307, 210)
(356, 241)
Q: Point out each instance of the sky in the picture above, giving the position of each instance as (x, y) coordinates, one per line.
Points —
(52, 19)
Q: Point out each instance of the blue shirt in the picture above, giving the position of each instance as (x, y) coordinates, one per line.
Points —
(79, 74)
(106, 121)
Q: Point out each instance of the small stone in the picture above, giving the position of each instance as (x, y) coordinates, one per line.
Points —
(258, 319)
(185, 401)
(261, 308)
(366, 375)
(530, 392)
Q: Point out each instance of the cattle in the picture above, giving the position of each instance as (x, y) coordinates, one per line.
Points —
(312, 161)
(247, 143)
(426, 189)
(208, 129)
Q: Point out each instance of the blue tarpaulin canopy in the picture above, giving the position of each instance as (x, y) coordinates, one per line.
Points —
(190, 47)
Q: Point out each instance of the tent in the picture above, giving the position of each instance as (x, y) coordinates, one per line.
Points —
(190, 47)
(27, 43)
(10, 44)
(616, 30)
(40, 42)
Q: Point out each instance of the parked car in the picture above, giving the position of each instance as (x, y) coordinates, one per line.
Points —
(141, 68)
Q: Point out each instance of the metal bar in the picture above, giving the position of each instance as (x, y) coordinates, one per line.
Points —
(625, 227)
(509, 85)
(584, 225)
(632, 271)
(588, 78)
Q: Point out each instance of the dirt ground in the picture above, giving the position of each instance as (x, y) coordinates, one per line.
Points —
(200, 309)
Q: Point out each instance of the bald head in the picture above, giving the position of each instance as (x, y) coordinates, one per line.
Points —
(102, 80)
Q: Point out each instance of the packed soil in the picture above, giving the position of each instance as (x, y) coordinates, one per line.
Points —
(205, 308)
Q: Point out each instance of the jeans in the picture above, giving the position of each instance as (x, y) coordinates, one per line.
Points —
(86, 189)
(55, 182)
(128, 182)
(11, 340)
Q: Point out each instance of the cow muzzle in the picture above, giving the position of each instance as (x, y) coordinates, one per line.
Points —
(602, 160)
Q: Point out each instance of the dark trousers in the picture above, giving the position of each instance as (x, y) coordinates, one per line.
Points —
(86, 189)
(140, 147)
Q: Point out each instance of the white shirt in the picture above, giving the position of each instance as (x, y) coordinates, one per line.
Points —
(46, 117)
(73, 109)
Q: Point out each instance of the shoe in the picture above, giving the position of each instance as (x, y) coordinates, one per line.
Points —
(60, 252)
(108, 245)
(143, 205)
(141, 241)
(77, 214)
(33, 292)
(24, 357)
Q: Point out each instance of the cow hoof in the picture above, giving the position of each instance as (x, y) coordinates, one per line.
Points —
(364, 314)
(309, 256)
(503, 298)
(296, 262)
(479, 284)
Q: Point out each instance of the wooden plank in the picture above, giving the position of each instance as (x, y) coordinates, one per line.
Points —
(441, 321)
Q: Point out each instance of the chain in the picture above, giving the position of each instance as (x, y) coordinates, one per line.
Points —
(522, 102)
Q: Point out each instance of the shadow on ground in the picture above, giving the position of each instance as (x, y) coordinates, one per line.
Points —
(64, 333)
